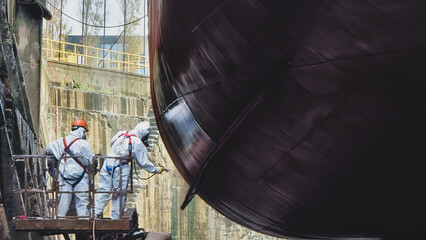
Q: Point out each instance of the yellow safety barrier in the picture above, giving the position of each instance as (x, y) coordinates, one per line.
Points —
(94, 57)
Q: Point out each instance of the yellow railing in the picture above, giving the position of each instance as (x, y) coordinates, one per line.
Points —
(94, 57)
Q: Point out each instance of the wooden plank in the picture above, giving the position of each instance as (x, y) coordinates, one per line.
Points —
(72, 225)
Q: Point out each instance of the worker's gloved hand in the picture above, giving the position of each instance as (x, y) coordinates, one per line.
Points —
(159, 170)
(52, 164)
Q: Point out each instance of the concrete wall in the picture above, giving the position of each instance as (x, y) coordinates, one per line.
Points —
(157, 199)
(99, 80)
(27, 27)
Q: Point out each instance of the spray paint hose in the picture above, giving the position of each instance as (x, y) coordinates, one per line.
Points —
(141, 178)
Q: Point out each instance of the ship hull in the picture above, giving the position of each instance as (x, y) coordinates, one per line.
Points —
(300, 119)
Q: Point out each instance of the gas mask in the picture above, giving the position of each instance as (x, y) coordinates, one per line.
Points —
(145, 140)
(80, 129)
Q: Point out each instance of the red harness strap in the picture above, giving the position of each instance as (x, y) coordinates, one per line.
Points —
(67, 150)
(127, 135)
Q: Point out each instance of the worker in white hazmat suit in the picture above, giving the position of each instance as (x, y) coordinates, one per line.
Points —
(123, 144)
(73, 170)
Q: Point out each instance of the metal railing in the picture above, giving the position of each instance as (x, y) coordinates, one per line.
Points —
(94, 57)
(40, 182)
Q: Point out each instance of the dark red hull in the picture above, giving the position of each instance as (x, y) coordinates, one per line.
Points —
(296, 118)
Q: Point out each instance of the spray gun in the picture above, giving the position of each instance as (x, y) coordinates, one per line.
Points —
(165, 169)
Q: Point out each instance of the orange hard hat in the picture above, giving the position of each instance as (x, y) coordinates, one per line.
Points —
(80, 123)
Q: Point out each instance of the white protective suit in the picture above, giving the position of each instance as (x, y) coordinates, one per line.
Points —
(109, 177)
(71, 173)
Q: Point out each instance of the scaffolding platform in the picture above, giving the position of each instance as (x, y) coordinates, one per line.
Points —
(35, 179)
(127, 223)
